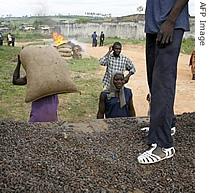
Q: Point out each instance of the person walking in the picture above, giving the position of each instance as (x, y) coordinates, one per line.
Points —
(165, 23)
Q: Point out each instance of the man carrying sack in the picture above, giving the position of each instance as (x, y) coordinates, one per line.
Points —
(46, 76)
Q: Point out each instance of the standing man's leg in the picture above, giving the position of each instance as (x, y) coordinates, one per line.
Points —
(163, 92)
(150, 57)
(162, 102)
(151, 54)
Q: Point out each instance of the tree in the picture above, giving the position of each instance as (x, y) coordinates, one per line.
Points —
(140, 9)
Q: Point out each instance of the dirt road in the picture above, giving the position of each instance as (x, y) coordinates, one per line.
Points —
(185, 90)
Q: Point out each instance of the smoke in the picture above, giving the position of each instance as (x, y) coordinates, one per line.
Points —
(41, 8)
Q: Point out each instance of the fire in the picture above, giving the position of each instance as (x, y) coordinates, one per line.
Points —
(58, 38)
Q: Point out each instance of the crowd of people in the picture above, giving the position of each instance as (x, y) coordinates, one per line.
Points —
(164, 32)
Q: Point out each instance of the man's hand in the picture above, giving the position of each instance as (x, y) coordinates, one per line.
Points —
(110, 49)
(126, 79)
(165, 35)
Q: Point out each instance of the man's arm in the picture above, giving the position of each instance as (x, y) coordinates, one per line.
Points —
(101, 107)
(130, 67)
(127, 77)
(165, 34)
(105, 60)
(131, 108)
(17, 80)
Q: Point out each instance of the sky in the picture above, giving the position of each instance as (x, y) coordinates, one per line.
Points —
(72, 7)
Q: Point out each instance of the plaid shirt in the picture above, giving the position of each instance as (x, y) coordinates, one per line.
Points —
(113, 64)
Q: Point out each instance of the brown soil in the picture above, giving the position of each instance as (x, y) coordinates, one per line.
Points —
(185, 90)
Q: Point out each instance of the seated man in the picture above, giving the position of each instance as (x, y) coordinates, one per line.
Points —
(42, 110)
(117, 100)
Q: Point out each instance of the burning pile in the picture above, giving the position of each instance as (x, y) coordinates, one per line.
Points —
(68, 49)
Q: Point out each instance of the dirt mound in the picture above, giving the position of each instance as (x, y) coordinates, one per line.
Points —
(60, 157)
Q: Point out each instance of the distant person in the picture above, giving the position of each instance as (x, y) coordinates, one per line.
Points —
(117, 101)
(13, 40)
(9, 39)
(94, 39)
(102, 39)
(1, 39)
(115, 61)
(192, 64)
(42, 110)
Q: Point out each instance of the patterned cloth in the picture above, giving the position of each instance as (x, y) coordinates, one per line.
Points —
(113, 64)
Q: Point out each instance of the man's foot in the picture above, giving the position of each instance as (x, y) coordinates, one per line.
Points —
(173, 130)
(155, 154)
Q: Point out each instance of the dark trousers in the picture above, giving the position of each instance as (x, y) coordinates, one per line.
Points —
(94, 43)
(101, 42)
(161, 76)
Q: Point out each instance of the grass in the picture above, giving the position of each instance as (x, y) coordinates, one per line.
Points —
(72, 107)
(110, 41)
(30, 36)
(11, 97)
(80, 107)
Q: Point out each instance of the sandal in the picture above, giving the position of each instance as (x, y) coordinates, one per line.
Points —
(173, 130)
(148, 157)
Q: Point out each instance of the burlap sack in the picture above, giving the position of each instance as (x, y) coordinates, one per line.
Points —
(66, 54)
(46, 72)
(65, 50)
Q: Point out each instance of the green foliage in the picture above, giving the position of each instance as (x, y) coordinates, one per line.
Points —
(109, 41)
(188, 45)
(30, 36)
(84, 65)
(82, 20)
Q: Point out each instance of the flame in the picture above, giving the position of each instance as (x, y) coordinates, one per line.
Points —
(58, 38)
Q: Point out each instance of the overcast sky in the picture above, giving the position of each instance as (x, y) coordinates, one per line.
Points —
(72, 7)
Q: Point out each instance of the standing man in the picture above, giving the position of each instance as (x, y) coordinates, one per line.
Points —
(94, 39)
(13, 40)
(116, 62)
(1, 39)
(9, 39)
(165, 23)
(102, 39)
